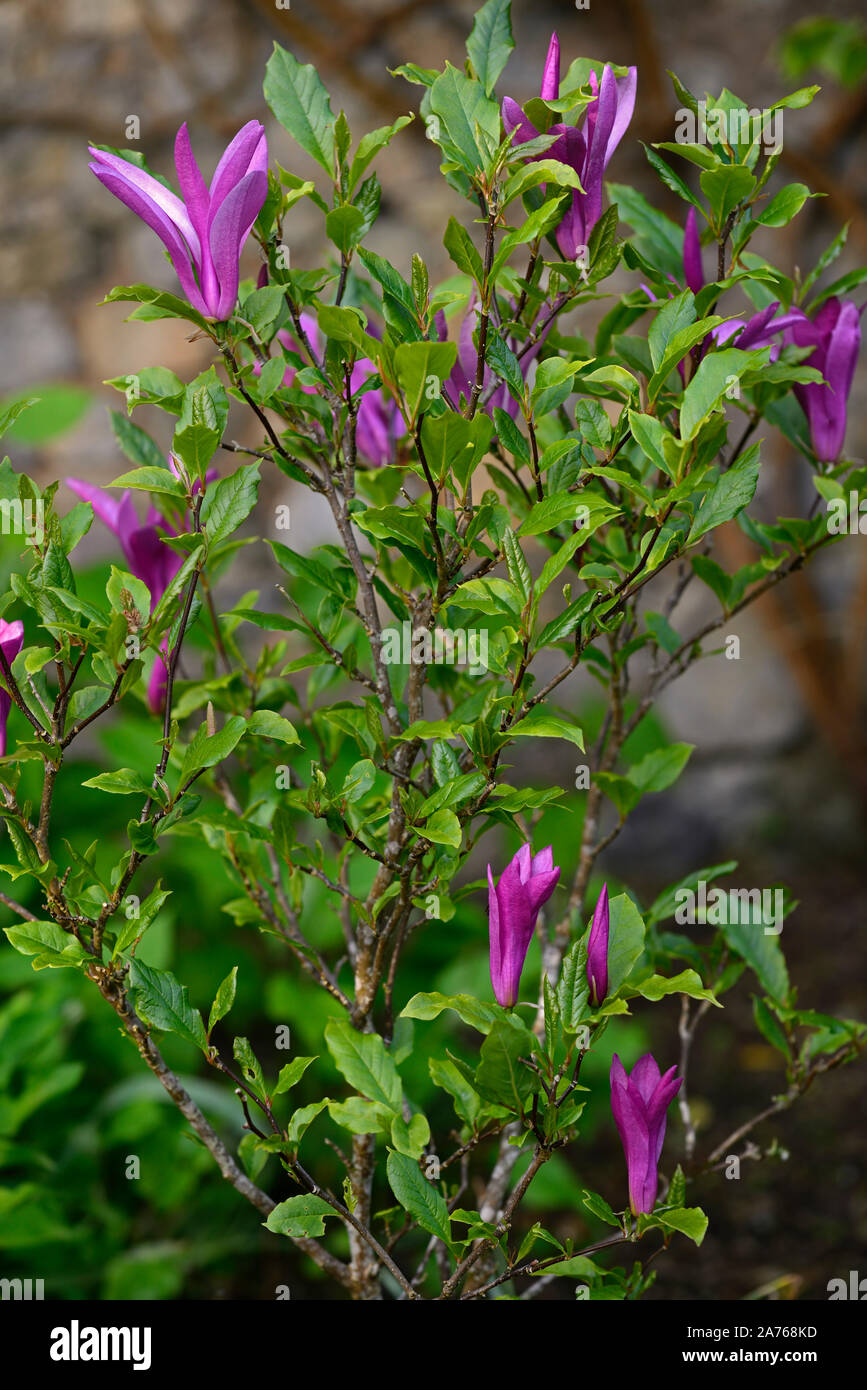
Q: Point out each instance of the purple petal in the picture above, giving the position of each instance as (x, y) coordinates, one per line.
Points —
(117, 512)
(496, 948)
(247, 153)
(195, 192)
(158, 221)
(515, 925)
(543, 862)
(570, 148)
(229, 231)
(645, 1077)
(154, 192)
(514, 119)
(551, 74)
(11, 640)
(151, 561)
(600, 124)
(626, 88)
(692, 267)
(597, 949)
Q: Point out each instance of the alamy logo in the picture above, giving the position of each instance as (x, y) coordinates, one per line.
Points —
(25, 519)
(737, 127)
(450, 646)
(847, 517)
(25, 1289)
(718, 908)
(855, 1289)
(75, 1343)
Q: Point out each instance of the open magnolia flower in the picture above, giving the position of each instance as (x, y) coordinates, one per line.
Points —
(205, 232)
(587, 150)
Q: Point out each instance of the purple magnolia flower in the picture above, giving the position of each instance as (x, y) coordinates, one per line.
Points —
(378, 421)
(587, 151)
(835, 336)
(513, 905)
(463, 374)
(11, 640)
(154, 563)
(639, 1103)
(204, 233)
(597, 950)
(758, 331)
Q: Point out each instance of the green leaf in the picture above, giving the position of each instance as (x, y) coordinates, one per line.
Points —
(687, 982)
(362, 1059)
(224, 999)
(51, 410)
(417, 1196)
(370, 145)
(725, 187)
(123, 782)
(786, 205)
(412, 1138)
(475, 1012)
(717, 372)
(243, 1052)
(48, 943)
(599, 1207)
(344, 226)
(263, 309)
(770, 1027)
(196, 441)
(588, 508)
(658, 769)
(295, 93)
(459, 245)
(681, 343)
(135, 927)
(690, 1221)
(451, 1079)
(490, 44)
(462, 107)
(443, 828)
(158, 480)
(124, 589)
(360, 1116)
(302, 1120)
(10, 411)
(553, 384)
(207, 750)
(300, 1217)
(763, 954)
(675, 315)
(625, 941)
(500, 1075)
(264, 723)
(540, 725)
(573, 989)
(229, 502)
(519, 570)
(421, 369)
(160, 304)
(138, 446)
(531, 174)
(292, 1073)
(162, 1002)
(733, 491)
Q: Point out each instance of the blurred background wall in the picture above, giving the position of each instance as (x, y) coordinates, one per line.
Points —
(780, 778)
